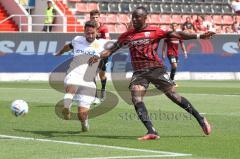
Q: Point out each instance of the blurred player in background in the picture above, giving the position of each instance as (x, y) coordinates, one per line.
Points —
(188, 25)
(102, 33)
(143, 41)
(172, 51)
(76, 86)
(50, 18)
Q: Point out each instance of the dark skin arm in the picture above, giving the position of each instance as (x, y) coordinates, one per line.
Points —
(65, 48)
(180, 35)
(188, 36)
(105, 53)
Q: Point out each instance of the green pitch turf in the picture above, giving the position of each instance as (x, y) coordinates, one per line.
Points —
(113, 134)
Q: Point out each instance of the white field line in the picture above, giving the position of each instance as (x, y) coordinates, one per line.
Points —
(47, 89)
(140, 156)
(95, 145)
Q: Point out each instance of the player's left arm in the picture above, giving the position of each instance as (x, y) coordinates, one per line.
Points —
(65, 48)
(105, 53)
(188, 36)
(183, 49)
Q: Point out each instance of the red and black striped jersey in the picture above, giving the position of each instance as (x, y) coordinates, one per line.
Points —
(143, 46)
(172, 46)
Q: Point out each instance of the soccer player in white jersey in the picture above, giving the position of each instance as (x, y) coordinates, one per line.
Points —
(77, 88)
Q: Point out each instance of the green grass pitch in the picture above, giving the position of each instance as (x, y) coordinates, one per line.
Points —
(113, 134)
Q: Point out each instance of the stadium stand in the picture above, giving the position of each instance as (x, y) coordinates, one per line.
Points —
(71, 20)
(163, 12)
(215, 11)
(8, 25)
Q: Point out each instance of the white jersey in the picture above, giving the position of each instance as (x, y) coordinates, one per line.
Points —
(82, 51)
(80, 73)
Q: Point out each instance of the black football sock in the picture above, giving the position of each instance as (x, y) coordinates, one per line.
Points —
(172, 74)
(185, 104)
(103, 82)
(143, 116)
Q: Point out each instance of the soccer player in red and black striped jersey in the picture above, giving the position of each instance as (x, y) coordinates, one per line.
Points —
(102, 33)
(172, 51)
(143, 41)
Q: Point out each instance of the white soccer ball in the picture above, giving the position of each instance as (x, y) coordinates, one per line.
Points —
(19, 107)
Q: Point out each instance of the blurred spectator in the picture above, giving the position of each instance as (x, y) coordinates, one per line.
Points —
(227, 30)
(198, 24)
(218, 29)
(50, 13)
(208, 25)
(236, 6)
(236, 26)
(188, 25)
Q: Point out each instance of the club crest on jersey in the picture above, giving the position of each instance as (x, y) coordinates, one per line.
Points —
(147, 34)
(95, 45)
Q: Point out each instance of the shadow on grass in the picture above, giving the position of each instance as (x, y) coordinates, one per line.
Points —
(51, 134)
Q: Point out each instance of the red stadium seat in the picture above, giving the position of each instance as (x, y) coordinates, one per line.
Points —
(120, 28)
(177, 19)
(165, 19)
(227, 20)
(217, 19)
(103, 18)
(155, 18)
(111, 18)
(92, 6)
(81, 7)
(123, 18)
(148, 20)
(111, 28)
(208, 18)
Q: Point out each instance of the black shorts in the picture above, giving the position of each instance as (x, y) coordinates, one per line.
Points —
(102, 65)
(157, 76)
(173, 59)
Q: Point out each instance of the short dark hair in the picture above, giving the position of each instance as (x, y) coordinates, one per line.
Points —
(90, 24)
(172, 24)
(94, 12)
(143, 9)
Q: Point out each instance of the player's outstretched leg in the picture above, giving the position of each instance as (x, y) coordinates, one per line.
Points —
(68, 98)
(83, 117)
(141, 110)
(185, 104)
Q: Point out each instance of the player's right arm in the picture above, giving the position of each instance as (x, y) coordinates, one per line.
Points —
(65, 48)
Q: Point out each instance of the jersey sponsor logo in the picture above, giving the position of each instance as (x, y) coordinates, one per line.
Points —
(140, 42)
(87, 52)
(147, 34)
